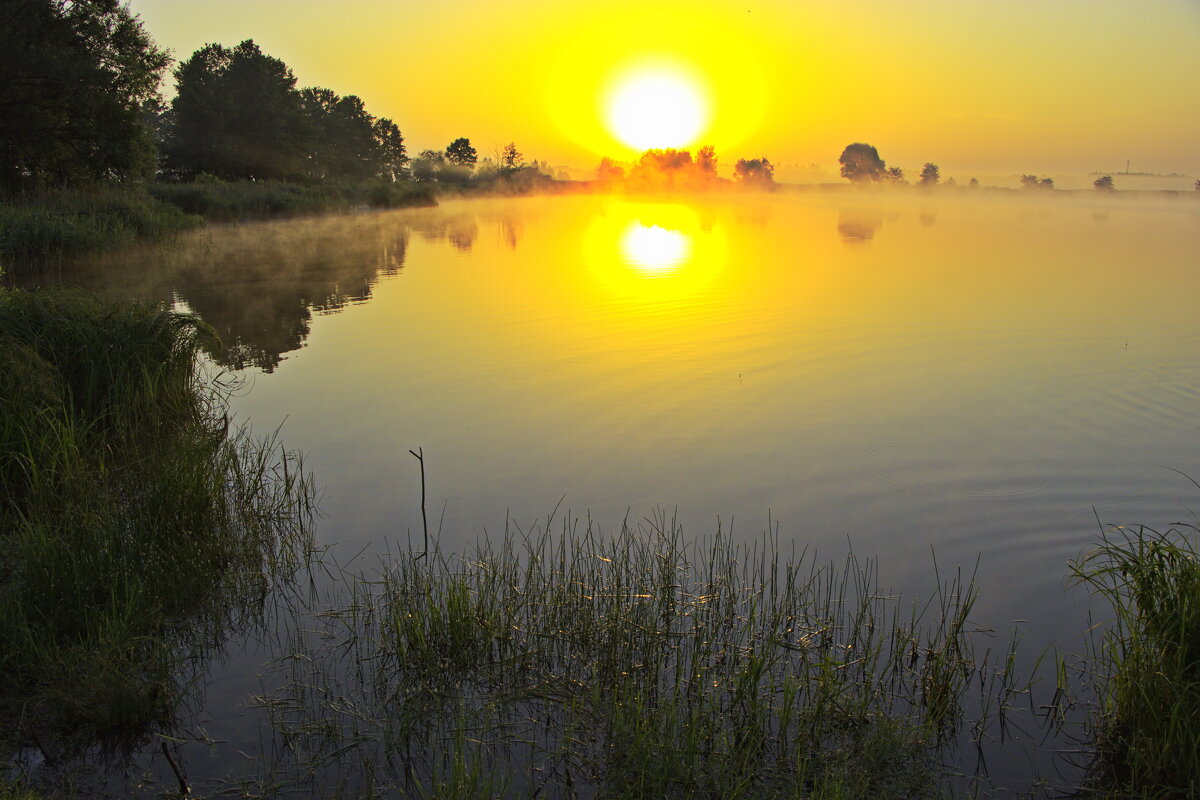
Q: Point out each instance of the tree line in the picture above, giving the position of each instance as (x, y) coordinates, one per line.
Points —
(80, 103)
(667, 169)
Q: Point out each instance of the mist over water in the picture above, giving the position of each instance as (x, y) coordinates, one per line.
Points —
(907, 375)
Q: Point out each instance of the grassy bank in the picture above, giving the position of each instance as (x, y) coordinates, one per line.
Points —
(1146, 665)
(44, 225)
(135, 526)
(40, 226)
(221, 201)
(629, 666)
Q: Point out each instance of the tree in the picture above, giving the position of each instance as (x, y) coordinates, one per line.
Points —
(894, 175)
(341, 139)
(973, 184)
(1029, 181)
(390, 144)
(1197, 186)
(754, 172)
(77, 77)
(237, 114)
(427, 166)
(861, 162)
(929, 174)
(706, 161)
(461, 153)
(609, 171)
(1104, 184)
(511, 159)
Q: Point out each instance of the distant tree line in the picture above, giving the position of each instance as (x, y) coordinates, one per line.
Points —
(669, 169)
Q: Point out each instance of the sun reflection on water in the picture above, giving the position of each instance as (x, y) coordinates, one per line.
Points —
(653, 250)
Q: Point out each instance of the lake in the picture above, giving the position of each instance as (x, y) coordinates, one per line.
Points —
(966, 378)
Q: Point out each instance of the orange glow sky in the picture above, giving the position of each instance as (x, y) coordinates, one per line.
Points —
(1016, 86)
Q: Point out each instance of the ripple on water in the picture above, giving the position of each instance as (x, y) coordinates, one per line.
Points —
(959, 468)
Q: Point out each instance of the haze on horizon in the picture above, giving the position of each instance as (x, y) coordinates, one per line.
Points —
(1071, 86)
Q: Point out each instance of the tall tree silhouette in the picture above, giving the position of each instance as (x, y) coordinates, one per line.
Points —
(461, 153)
(237, 114)
(76, 77)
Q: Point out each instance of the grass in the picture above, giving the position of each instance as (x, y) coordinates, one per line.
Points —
(42, 226)
(221, 201)
(629, 666)
(136, 527)
(1146, 730)
(50, 224)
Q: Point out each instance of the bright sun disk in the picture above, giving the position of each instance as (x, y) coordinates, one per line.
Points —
(656, 109)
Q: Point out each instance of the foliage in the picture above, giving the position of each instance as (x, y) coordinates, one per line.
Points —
(511, 159)
(76, 76)
(238, 115)
(754, 172)
(929, 174)
(894, 175)
(1034, 182)
(461, 152)
(1147, 728)
(673, 170)
(428, 165)
(861, 162)
(609, 171)
(1104, 184)
(135, 526)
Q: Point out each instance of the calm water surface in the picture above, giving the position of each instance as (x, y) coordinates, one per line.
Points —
(961, 377)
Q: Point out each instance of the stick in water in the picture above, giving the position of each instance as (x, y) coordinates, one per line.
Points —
(420, 456)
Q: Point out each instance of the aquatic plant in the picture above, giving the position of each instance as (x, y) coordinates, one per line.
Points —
(1146, 670)
(632, 665)
(136, 525)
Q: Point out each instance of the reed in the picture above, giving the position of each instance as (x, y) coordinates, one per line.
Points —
(627, 666)
(46, 225)
(137, 526)
(1146, 663)
(228, 201)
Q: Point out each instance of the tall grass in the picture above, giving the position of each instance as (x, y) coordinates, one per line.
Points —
(1147, 663)
(135, 526)
(45, 225)
(629, 666)
(222, 201)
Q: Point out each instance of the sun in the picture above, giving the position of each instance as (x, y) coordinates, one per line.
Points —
(656, 107)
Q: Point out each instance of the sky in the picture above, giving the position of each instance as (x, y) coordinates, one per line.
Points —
(1021, 86)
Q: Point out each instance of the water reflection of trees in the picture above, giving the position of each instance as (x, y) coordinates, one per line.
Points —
(260, 286)
(858, 225)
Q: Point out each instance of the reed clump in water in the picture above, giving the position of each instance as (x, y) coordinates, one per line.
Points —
(1146, 729)
(135, 526)
(629, 666)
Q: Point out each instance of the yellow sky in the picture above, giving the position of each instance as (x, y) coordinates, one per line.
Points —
(1015, 86)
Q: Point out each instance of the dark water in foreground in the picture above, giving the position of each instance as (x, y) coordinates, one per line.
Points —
(972, 380)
